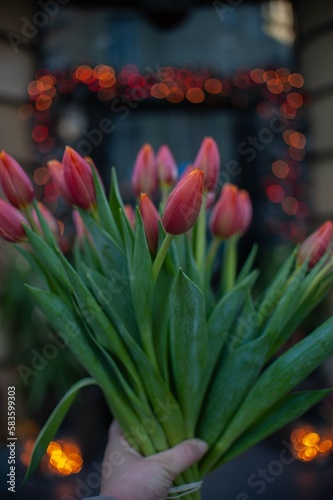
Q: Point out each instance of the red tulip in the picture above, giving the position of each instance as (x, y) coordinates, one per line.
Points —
(57, 174)
(49, 219)
(150, 217)
(167, 172)
(232, 213)
(130, 214)
(183, 205)
(79, 179)
(316, 245)
(15, 183)
(11, 220)
(144, 178)
(208, 160)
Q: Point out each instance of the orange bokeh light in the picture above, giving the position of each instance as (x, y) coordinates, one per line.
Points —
(43, 102)
(309, 444)
(289, 205)
(275, 193)
(296, 80)
(41, 176)
(159, 91)
(280, 169)
(65, 458)
(176, 96)
(195, 95)
(295, 99)
(257, 75)
(213, 86)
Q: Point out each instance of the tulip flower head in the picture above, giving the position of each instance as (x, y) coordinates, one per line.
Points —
(15, 183)
(316, 245)
(11, 223)
(150, 217)
(49, 219)
(208, 160)
(57, 175)
(167, 172)
(183, 205)
(232, 213)
(144, 178)
(79, 180)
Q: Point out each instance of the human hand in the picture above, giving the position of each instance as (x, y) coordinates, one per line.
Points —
(127, 475)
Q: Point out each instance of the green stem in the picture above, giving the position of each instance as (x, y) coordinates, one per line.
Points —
(31, 220)
(165, 190)
(200, 244)
(160, 257)
(229, 268)
(210, 259)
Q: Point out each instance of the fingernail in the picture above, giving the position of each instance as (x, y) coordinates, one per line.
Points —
(201, 445)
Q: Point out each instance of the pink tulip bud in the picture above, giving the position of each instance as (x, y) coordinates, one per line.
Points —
(57, 175)
(316, 245)
(49, 219)
(15, 183)
(130, 214)
(11, 220)
(232, 213)
(210, 199)
(208, 160)
(150, 217)
(81, 231)
(79, 180)
(144, 178)
(183, 205)
(167, 171)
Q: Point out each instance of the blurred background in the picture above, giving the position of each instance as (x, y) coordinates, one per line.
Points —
(104, 79)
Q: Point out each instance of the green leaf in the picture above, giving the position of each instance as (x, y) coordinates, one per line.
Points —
(279, 379)
(248, 265)
(123, 401)
(52, 425)
(113, 299)
(285, 411)
(49, 237)
(142, 284)
(47, 257)
(224, 316)
(105, 215)
(188, 346)
(283, 310)
(230, 383)
(117, 205)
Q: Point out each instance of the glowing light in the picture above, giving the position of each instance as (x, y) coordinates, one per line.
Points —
(296, 80)
(213, 86)
(275, 86)
(257, 75)
(289, 205)
(166, 73)
(176, 96)
(41, 176)
(297, 140)
(275, 193)
(280, 169)
(26, 452)
(288, 111)
(40, 133)
(26, 111)
(159, 90)
(295, 99)
(65, 458)
(195, 95)
(309, 444)
(83, 73)
(43, 102)
(296, 154)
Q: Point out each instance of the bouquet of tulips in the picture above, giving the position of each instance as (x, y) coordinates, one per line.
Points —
(175, 357)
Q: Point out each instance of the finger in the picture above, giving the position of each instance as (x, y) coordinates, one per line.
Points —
(183, 455)
(117, 440)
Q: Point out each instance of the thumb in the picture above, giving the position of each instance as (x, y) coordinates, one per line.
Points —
(183, 455)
